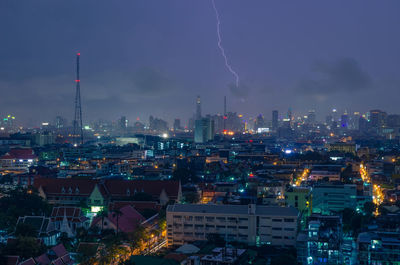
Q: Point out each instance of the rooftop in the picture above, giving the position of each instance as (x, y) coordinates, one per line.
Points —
(233, 209)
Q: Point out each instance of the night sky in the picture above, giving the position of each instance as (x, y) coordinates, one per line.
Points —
(155, 56)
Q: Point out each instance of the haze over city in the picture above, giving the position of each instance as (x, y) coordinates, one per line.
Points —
(142, 58)
(199, 132)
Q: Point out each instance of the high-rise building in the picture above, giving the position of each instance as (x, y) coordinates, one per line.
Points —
(344, 121)
(60, 122)
(362, 124)
(204, 130)
(198, 108)
(123, 123)
(393, 120)
(377, 119)
(275, 119)
(311, 117)
(177, 125)
(259, 122)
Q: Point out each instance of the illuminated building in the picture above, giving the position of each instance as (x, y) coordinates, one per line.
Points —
(299, 197)
(321, 242)
(378, 248)
(204, 130)
(342, 147)
(333, 198)
(251, 224)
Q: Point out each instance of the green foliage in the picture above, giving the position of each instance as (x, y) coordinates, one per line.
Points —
(191, 197)
(283, 258)
(185, 176)
(19, 203)
(353, 221)
(25, 247)
(369, 208)
(25, 230)
(216, 239)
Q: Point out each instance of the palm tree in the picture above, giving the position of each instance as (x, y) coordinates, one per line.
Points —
(118, 213)
(103, 214)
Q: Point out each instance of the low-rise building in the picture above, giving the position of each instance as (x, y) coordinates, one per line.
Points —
(252, 224)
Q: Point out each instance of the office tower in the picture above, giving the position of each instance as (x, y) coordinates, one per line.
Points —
(344, 120)
(275, 119)
(198, 108)
(157, 125)
(362, 124)
(311, 117)
(259, 122)
(377, 119)
(123, 124)
(334, 115)
(393, 120)
(177, 124)
(60, 122)
(204, 130)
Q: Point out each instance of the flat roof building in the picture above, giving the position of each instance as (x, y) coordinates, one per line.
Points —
(252, 224)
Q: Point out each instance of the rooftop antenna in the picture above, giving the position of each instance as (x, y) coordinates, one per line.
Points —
(78, 131)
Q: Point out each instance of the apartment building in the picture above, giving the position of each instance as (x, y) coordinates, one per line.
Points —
(333, 198)
(252, 224)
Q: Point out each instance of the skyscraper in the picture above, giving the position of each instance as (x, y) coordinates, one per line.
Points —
(311, 117)
(198, 108)
(204, 130)
(275, 119)
(177, 124)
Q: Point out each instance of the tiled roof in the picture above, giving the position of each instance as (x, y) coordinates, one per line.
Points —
(73, 214)
(138, 205)
(124, 188)
(108, 188)
(19, 154)
(30, 261)
(59, 250)
(127, 221)
(11, 260)
(42, 259)
(57, 186)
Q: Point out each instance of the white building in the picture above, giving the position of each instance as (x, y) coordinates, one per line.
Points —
(252, 224)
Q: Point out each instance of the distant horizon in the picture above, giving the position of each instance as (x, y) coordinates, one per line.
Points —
(154, 57)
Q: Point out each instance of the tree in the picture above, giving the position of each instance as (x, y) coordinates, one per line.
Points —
(21, 202)
(369, 208)
(283, 259)
(103, 214)
(216, 239)
(25, 247)
(25, 230)
(118, 213)
(192, 197)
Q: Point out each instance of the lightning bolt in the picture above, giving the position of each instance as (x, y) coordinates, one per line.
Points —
(221, 48)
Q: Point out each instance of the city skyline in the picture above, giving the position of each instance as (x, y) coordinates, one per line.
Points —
(283, 63)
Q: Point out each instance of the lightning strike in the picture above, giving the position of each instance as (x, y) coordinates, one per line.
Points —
(227, 64)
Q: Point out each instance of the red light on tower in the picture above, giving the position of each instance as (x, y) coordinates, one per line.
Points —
(79, 54)
(77, 80)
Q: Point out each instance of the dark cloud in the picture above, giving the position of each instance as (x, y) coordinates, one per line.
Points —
(344, 75)
(241, 91)
(150, 81)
